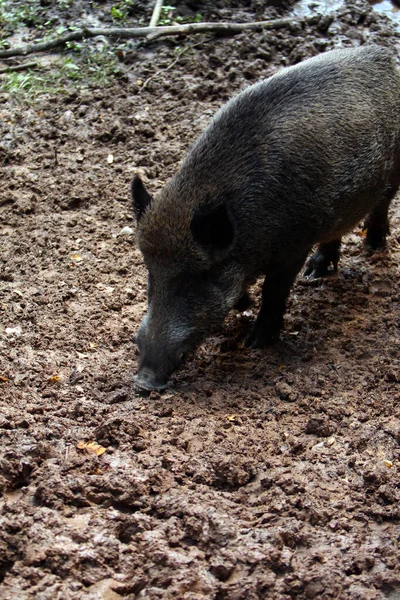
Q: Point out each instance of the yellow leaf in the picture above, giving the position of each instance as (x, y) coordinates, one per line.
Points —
(3, 379)
(55, 379)
(234, 419)
(91, 447)
(388, 464)
(76, 258)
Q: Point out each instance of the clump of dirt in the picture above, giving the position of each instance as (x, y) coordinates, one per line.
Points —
(257, 474)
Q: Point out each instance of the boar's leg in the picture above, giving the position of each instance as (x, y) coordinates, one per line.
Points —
(377, 223)
(326, 254)
(276, 288)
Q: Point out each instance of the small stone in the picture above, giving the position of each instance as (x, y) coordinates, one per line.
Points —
(14, 330)
(126, 231)
(285, 391)
(314, 589)
(320, 426)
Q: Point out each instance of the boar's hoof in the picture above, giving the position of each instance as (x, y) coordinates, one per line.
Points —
(375, 240)
(316, 268)
(147, 380)
(319, 263)
(260, 337)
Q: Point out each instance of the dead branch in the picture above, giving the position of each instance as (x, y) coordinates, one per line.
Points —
(151, 33)
(156, 13)
(72, 36)
(13, 68)
(224, 28)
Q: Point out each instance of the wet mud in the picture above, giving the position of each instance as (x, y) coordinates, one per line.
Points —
(256, 474)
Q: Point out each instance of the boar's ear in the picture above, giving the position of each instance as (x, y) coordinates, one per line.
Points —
(214, 230)
(141, 198)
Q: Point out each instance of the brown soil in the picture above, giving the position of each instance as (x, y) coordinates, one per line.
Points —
(257, 474)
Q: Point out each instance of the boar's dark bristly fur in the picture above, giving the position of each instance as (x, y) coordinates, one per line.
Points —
(295, 160)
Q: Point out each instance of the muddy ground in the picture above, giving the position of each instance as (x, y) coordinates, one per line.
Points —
(257, 474)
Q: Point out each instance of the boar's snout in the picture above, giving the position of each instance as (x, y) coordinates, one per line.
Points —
(159, 355)
(148, 380)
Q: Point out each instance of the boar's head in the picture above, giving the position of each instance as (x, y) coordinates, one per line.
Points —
(193, 281)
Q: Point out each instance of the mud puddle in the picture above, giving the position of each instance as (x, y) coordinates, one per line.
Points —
(306, 8)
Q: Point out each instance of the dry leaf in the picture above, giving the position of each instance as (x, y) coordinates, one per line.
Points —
(76, 258)
(388, 464)
(55, 379)
(234, 419)
(91, 447)
(3, 379)
(362, 233)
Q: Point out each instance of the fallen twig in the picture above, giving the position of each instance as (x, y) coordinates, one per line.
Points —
(227, 28)
(151, 33)
(156, 13)
(12, 68)
(72, 36)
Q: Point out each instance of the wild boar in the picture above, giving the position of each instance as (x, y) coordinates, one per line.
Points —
(293, 161)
